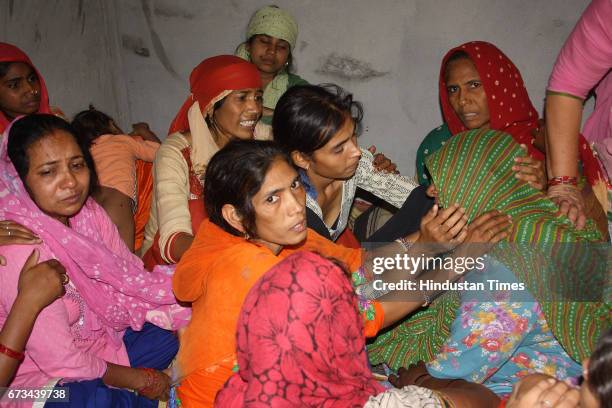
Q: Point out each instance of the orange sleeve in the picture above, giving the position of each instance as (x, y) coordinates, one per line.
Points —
(371, 327)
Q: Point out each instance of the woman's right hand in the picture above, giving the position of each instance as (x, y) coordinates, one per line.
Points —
(570, 202)
(12, 233)
(446, 228)
(41, 283)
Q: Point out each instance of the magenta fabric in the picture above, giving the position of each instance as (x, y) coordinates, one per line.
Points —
(300, 340)
(118, 291)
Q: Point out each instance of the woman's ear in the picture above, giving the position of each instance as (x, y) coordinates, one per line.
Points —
(231, 216)
(300, 160)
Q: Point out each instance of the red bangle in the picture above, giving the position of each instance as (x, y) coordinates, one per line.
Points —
(11, 353)
(150, 373)
(555, 181)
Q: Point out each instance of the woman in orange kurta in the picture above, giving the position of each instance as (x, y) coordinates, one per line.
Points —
(257, 217)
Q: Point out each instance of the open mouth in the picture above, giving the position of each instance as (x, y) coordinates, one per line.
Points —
(300, 226)
(248, 123)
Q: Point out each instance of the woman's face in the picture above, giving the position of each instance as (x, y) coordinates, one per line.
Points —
(237, 117)
(466, 94)
(19, 90)
(269, 54)
(280, 208)
(58, 176)
(337, 159)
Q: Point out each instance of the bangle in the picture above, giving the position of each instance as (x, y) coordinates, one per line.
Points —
(150, 381)
(427, 299)
(404, 243)
(555, 181)
(11, 353)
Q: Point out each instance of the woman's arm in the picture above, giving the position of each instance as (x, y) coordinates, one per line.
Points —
(171, 186)
(39, 284)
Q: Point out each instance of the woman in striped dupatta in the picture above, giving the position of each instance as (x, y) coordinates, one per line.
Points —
(499, 337)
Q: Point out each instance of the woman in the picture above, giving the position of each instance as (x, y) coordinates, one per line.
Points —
(225, 104)
(22, 88)
(318, 127)
(270, 39)
(480, 87)
(22, 91)
(306, 301)
(498, 339)
(256, 205)
(46, 181)
(583, 65)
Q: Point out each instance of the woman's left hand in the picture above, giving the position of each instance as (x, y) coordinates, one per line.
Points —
(12, 233)
(413, 375)
(530, 170)
(382, 162)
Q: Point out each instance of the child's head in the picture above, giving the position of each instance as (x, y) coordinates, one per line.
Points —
(91, 124)
(596, 390)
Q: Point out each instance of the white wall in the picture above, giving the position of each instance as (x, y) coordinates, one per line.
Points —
(394, 45)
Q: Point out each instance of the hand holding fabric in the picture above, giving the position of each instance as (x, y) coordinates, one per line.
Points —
(570, 203)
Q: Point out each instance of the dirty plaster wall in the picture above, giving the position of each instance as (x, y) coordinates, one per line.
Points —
(74, 45)
(133, 57)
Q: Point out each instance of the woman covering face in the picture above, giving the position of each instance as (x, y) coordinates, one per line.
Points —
(22, 88)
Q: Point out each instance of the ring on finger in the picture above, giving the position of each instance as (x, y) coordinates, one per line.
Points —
(546, 403)
(9, 233)
(65, 279)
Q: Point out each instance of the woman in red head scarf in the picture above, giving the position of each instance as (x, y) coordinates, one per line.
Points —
(22, 88)
(225, 104)
(480, 87)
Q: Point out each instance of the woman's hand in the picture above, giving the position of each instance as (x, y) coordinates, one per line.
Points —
(12, 233)
(446, 228)
(483, 233)
(570, 202)
(413, 375)
(382, 162)
(157, 385)
(142, 129)
(41, 283)
(546, 393)
(530, 170)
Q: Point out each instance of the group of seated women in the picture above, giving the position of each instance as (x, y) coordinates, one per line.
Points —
(216, 268)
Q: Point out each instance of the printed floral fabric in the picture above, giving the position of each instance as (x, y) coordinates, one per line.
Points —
(497, 342)
(300, 340)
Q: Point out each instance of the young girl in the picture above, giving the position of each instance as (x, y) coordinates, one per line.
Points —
(115, 154)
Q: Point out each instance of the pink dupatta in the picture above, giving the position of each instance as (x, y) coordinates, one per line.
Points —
(117, 289)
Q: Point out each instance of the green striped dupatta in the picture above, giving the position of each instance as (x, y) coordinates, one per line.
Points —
(474, 169)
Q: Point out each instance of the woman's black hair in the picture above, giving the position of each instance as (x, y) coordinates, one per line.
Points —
(234, 175)
(600, 370)
(455, 56)
(306, 117)
(91, 124)
(32, 128)
(4, 67)
(210, 119)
